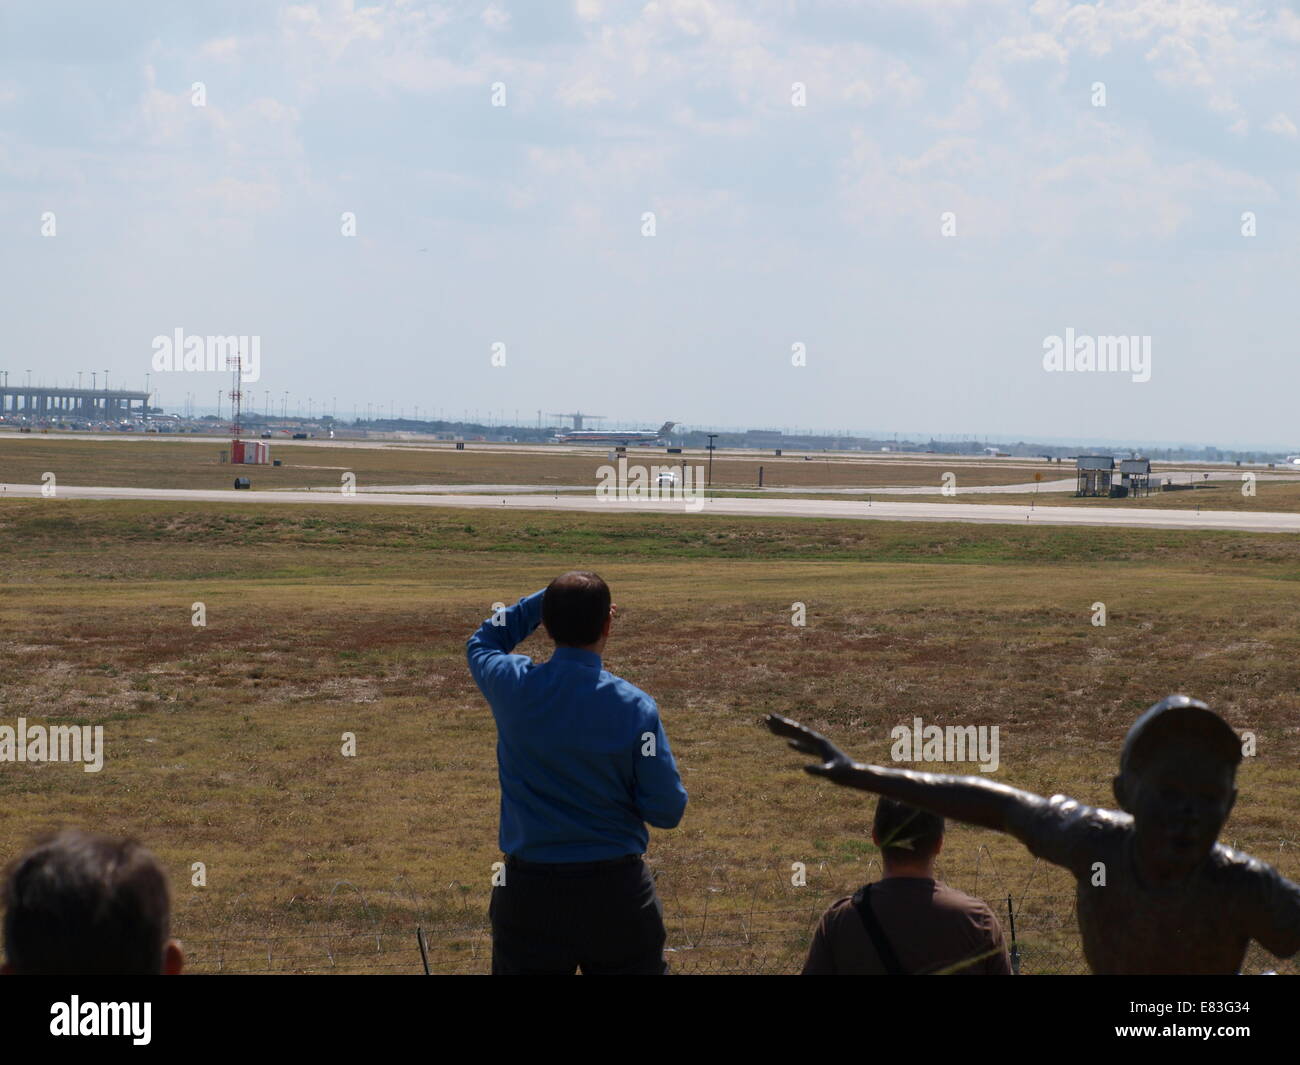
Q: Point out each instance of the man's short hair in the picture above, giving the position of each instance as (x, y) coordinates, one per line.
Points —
(80, 903)
(575, 607)
(905, 832)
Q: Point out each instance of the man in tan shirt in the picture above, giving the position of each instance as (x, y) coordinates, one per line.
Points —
(908, 923)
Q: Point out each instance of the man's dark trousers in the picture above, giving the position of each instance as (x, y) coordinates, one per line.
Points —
(554, 918)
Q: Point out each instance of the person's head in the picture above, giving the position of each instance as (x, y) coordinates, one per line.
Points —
(576, 610)
(1177, 778)
(909, 839)
(83, 904)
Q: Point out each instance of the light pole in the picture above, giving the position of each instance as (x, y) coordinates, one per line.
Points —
(712, 437)
(220, 392)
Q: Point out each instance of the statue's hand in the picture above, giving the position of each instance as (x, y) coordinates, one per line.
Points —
(835, 764)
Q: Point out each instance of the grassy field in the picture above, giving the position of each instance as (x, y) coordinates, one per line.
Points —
(153, 462)
(194, 463)
(223, 742)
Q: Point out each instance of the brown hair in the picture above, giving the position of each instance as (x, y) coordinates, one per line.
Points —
(906, 833)
(80, 903)
(575, 607)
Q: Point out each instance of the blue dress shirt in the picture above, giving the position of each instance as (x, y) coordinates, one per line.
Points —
(583, 759)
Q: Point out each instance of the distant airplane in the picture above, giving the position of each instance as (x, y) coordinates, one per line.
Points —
(614, 436)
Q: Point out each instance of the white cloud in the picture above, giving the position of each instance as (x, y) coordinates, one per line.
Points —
(859, 92)
(494, 18)
(743, 126)
(585, 92)
(1281, 125)
(1178, 64)
(222, 49)
(1287, 26)
(241, 197)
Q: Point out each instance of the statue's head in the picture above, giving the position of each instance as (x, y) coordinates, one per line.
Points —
(1177, 777)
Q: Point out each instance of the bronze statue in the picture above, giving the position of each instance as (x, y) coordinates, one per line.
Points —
(1156, 892)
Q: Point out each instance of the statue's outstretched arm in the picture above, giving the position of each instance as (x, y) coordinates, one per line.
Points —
(974, 800)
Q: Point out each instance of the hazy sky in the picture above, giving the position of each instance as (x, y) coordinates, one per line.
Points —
(775, 224)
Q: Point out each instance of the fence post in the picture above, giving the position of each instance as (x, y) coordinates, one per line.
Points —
(1015, 950)
(424, 951)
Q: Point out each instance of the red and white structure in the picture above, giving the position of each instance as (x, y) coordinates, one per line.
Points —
(243, 452)
(250, 452)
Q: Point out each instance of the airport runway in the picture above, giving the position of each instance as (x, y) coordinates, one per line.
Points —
(415, 442)
(876, 510)
(1062, 485)
(1066, 485)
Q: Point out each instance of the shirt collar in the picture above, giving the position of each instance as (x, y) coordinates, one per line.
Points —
(577, 656)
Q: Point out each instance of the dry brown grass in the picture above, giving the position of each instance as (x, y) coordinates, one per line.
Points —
(223, 742)
(163, 462)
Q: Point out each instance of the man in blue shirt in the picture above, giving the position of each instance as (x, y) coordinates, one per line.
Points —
(584, 765)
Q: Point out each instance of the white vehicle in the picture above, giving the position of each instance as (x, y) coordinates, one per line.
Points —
(667, 479)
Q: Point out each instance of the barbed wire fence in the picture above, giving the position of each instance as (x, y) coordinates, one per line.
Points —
(749, 929)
